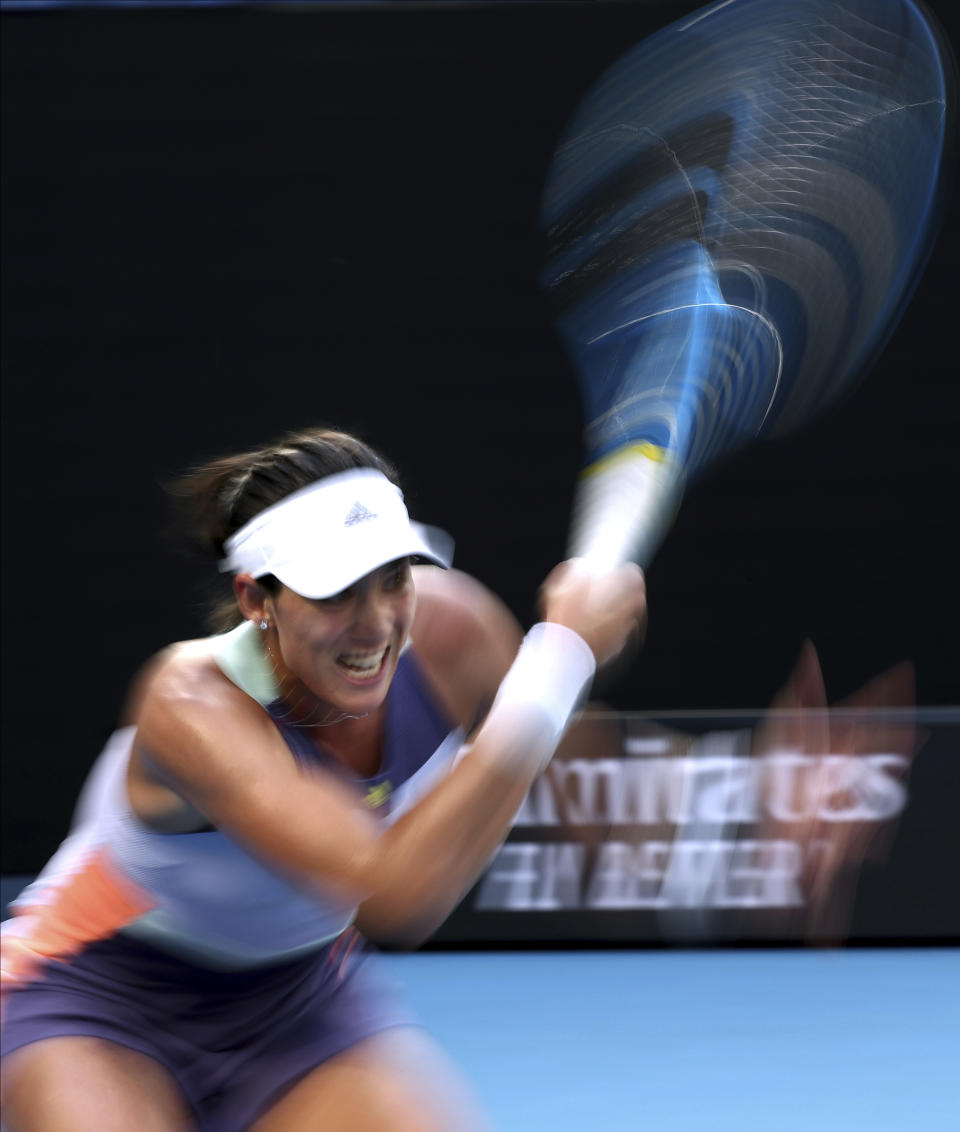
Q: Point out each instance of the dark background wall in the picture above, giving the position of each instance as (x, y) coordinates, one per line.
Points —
(222, 224)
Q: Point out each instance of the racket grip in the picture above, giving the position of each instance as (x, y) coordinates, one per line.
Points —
(624, 505)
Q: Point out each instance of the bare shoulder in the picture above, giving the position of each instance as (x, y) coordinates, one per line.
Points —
(182, 672)
(182, 704)
(454, 611)
(465, 636)
(188, 717)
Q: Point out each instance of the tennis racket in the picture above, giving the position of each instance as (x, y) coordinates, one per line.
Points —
(735, 219)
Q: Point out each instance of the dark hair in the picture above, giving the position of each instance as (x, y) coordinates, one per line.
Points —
(216, 499)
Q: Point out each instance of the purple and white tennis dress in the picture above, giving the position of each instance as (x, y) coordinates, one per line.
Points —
(190, 950)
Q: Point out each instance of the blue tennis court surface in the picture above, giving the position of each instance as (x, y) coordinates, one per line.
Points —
(674, 1041)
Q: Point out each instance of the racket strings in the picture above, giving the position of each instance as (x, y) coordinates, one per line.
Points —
(752, 159)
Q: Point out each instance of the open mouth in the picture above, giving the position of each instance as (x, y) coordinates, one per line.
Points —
(363, 666)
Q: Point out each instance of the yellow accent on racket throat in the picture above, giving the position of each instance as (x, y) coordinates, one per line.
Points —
(645, 448)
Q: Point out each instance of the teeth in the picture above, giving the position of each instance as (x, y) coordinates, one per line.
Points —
(363, 663)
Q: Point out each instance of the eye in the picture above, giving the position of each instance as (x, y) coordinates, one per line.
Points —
(397, 574)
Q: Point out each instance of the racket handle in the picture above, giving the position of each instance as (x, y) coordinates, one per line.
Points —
(624, 505)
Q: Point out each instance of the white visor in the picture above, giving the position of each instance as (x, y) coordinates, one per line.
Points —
(323, 538)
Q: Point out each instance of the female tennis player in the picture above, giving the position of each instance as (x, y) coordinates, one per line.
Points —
(341, 764)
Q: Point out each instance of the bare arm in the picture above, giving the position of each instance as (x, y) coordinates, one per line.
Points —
(230, 762)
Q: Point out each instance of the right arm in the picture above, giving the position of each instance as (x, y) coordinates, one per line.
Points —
(228, 759)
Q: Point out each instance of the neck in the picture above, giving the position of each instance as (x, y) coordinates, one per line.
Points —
(304, 709)
(355, 741)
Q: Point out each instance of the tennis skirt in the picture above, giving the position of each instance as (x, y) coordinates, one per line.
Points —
(235, 1041)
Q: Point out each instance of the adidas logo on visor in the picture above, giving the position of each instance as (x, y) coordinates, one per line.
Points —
(358, 514)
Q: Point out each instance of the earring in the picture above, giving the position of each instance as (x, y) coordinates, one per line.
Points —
(264, 624)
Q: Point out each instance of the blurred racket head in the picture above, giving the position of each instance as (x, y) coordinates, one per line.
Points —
(736, 217)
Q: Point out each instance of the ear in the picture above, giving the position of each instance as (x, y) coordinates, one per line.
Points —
(251, 597)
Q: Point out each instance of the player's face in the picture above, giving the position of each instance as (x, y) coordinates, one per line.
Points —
(344, 649)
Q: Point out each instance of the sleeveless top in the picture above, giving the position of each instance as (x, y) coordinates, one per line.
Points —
(202, 896)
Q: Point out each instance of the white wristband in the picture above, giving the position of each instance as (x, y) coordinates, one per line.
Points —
(551, 675)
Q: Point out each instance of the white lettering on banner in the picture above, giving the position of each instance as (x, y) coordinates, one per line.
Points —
(671, 808)
(539, 807)
(701, 874)
(835, 787)
(533, 877)
(537, 878)
(788, 786)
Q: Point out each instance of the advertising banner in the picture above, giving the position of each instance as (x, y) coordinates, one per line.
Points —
(718, 828)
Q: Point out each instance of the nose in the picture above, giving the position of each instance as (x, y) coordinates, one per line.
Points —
(375, 612)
